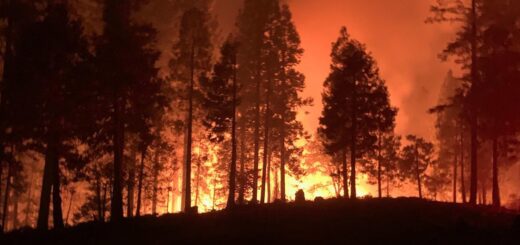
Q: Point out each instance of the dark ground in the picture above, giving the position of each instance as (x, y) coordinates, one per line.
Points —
(386, 221)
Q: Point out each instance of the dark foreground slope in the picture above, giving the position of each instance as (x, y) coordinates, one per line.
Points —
(387, 221)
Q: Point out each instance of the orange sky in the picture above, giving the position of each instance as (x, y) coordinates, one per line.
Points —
(394, 31)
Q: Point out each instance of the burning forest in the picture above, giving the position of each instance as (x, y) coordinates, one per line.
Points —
(187, 113)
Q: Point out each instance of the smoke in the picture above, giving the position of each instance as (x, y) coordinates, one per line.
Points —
(395, 32)
(405, 47)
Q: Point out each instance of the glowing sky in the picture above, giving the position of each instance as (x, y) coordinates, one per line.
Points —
(404, 46)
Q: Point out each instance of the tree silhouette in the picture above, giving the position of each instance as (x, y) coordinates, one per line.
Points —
(16, 16)
(288, 83)
(387, 156)
(437, 181)
(416, 157)
(499, 82)
(353, 112)
(53, 48)
(385, 120)
(450, 125)
(251, 23)
(466, 50)
(221, 102)
(192, 57)
(126, 57)
(483, 48)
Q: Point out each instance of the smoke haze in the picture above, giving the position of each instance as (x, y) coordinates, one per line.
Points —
(404, 46)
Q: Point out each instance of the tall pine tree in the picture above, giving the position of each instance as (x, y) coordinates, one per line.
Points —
(191, 61)
(221, 101)
(352, 115)
(126, 59)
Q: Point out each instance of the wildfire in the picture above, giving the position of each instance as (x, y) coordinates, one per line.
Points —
(319, 184)
(211, 194)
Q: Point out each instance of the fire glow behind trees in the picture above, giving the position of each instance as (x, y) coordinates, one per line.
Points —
(113, 109)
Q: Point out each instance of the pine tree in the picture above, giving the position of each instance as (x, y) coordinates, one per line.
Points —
(387, 156)
(251, 28)
(499, 84)
(352, 115)
(466, 50)
(288, 83)
(449, 124)
(221, 102)
(385, 120)
(126, 58)
(54, 48)
(483, 47)
(16, 16)
(192, 58)
(416, 158)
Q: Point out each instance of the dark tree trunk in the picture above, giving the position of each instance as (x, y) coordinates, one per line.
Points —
(106, 189)
(268, 181)
(473, 119)
(116, 209)
(71, 199)
(131, 185)
(187, 180)
(99, 198)
(155, 189)
(57, 212)
(353, 168)
(243, 178)
(387, 183)
(183, 176)
(51, 161)
(233, 165)
(344, 173)
(269, 199)
(455, 175)
(379, 191)
(6, 195)
(473, 167)
(14, 214)
(197, 182)
(462, 178)
(283, 158)
(418, 174)
(353, 139)
(140, 182)
(256, 140)
(28, 206)
(267, 117)
(1, 165)
(496, 190)
(276, 191)
(6, 73)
